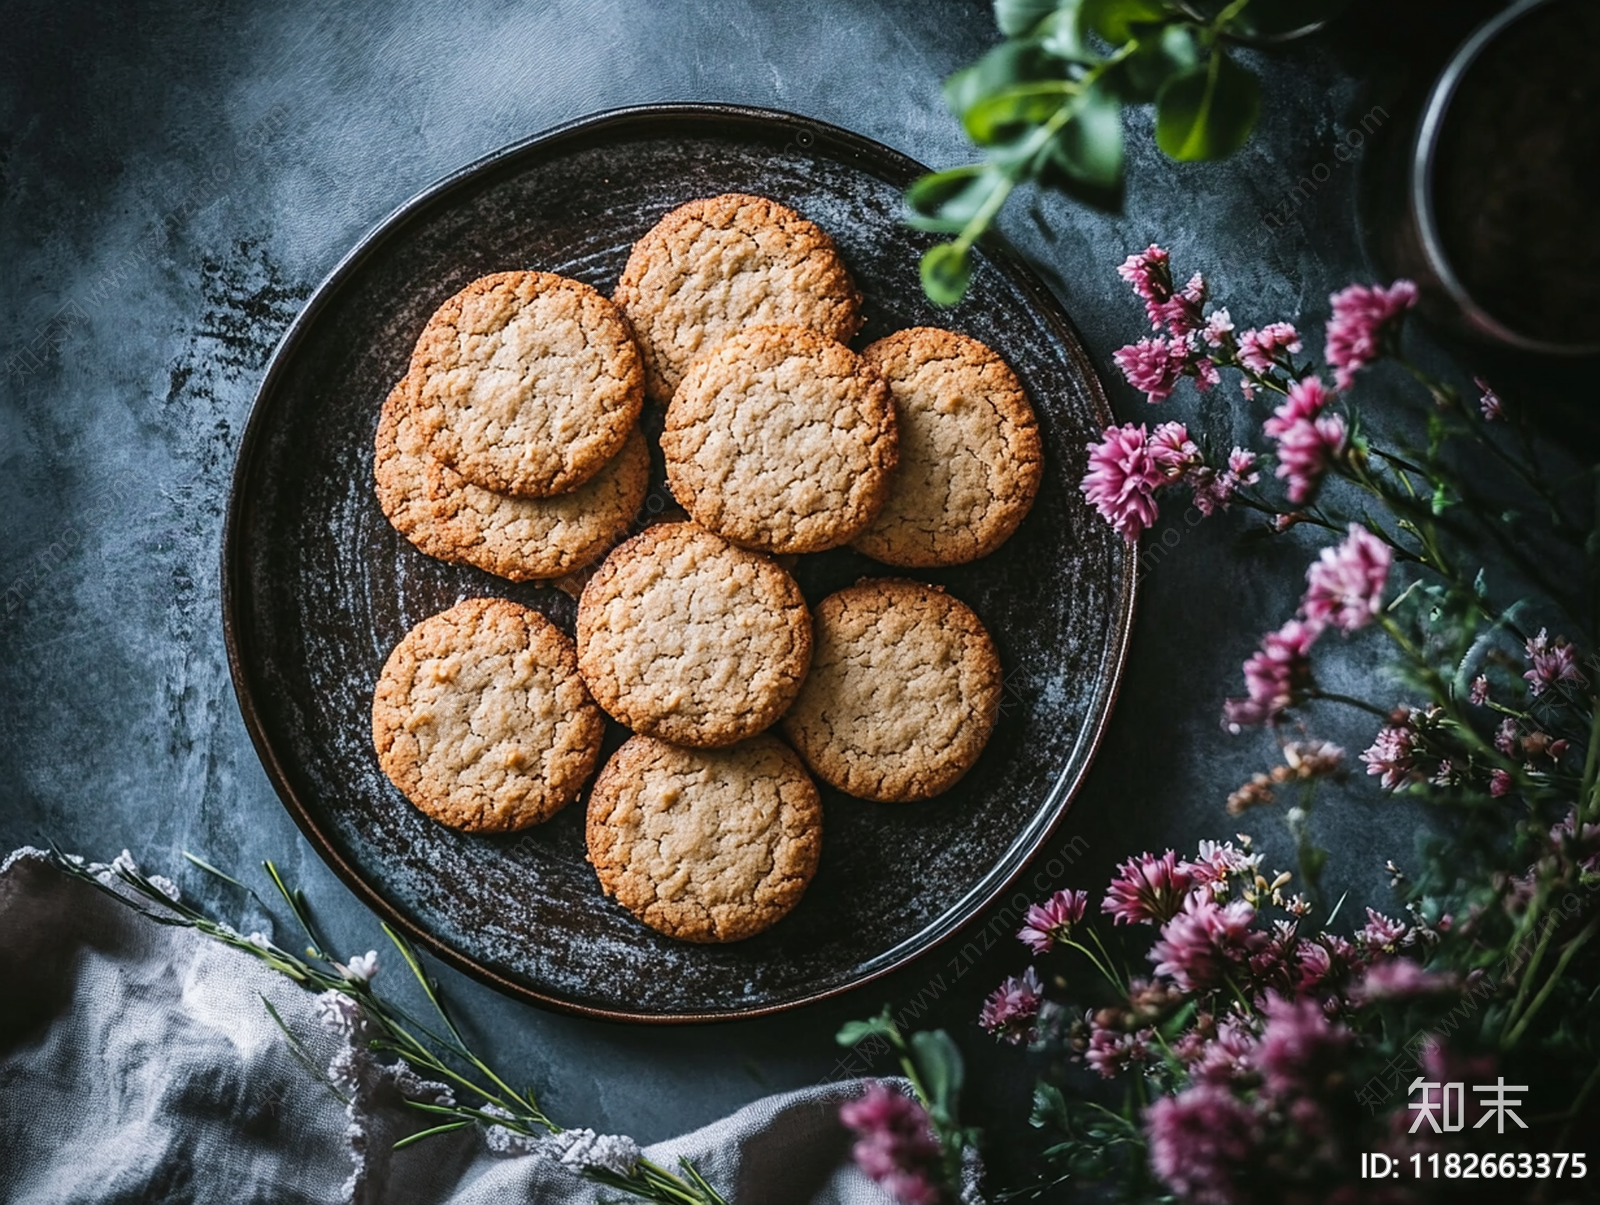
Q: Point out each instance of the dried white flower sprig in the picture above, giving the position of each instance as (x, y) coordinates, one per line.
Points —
(435, 1071)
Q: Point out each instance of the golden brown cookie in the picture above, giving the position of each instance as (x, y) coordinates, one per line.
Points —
(706, 845)
(683, 636)
(523, 539)
(781, 439)
(970, 455)
(526, 383)
(399, 467)
(721, 263)
(481, 720)
(903, 692)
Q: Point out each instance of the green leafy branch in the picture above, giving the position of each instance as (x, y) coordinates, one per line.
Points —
(1046, 105)
(435, 1049)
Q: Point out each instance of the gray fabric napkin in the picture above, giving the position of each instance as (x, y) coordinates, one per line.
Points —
(138, 1063)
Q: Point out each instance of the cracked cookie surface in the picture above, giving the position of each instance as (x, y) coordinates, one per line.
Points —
(686, 637)
(720, 263)
(706, 845)
(526, 383)
(523, 539)
(903, 692)
(481, 720)
(970, 454)
(781, 439)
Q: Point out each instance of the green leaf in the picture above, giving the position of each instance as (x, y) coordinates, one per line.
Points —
(938, 1063)
(946, 201)
(1207, 112)
(1004, 115)
(1006, 66)
(1280, 19)
(1063, 35)
(1017, 17)
(1114, 20)
(1089, 147)
(946, 273)
(1049, 1107)
(1139, 77)
(854, 1031)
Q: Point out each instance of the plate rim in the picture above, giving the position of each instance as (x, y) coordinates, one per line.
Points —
(235, 592)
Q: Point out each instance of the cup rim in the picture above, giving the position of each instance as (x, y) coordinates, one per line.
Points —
(1424, 151)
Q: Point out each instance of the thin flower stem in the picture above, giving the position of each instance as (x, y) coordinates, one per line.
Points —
(421, 1134)
(1089, 954)
(1589, 792)
(1334, 696)
(1567, 952)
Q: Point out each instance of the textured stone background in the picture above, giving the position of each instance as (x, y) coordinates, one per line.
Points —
(181, 176)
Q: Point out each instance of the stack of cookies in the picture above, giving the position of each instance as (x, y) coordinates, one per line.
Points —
(512, 444)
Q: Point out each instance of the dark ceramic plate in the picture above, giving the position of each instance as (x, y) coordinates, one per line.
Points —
(318, 587)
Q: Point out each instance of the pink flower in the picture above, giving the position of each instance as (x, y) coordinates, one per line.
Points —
(1050, 922)
(1393, 755)
(1153, 365)
(1219, 325)
(1259, 349)
(1011, 1008)
(896, 1145)
(1507, 737)
(1585, 842)
(1552, 663)
(1344, 586)
(1399, 979)
(1172, 449)
(1308, 439)
(1124, 474)
(1203, 1143)
(1200, 945)
(1480, 690)
(1149, 273)
(1180, 312)
(1499, 783)
(1111, 1051)
(1383, 933)
(1489, 403)
(1148, 889)
(1322, 961)
(1274, 676)
(1217, 862)
(1301, 1053)
(1228, 1056)
(1364, 321)
(1213, 491)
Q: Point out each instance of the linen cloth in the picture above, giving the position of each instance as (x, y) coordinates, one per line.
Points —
(138, 1063)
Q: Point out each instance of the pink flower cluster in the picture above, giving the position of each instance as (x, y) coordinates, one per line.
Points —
(1156, 365)
(895, 1143)
(1553, 662)
(1275, 677)
(1365, 322)
(1131, 465)
(1012, 1009)
(1264, 350)
(1344, 586)
(1051, 921)
(1309, 438)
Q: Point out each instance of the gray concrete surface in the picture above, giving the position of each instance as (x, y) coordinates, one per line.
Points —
(175, 179)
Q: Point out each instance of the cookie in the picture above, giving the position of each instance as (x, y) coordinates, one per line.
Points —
(481, 720)
(523, 539)
(399, 468)
(721, 263)
(685, 637)
(903, 692)
(781, 439)
(526, 383)
(706, 845)
(535, 539)
(970, 455)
